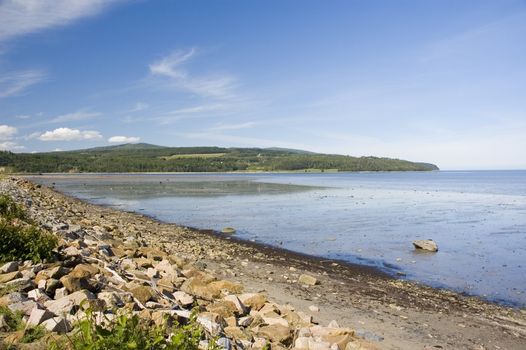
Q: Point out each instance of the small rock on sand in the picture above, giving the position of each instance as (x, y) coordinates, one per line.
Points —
(229, 230)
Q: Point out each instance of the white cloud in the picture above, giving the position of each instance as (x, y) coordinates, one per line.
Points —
(15, 83)
(10, 146)
(219, 86)
(23, 116)
(19, 17)
(124, 139)
(7, 132)
(67, 134)
(75, 116)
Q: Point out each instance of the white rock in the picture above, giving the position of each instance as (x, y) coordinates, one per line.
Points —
(38, 316)
(184, 299)
(38, 295)
(57, 324)
(60, 293)
(276, 320)
(318, 345)
(245, 321)
(302, 343)
(24, 307)
(65, 305)
(333, 324)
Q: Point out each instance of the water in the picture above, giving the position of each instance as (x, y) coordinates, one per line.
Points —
(478, 218)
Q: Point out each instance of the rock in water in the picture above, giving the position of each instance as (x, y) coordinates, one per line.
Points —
(229, 230)
(426, 244)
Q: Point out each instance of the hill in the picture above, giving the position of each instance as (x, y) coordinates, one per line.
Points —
(151, 158)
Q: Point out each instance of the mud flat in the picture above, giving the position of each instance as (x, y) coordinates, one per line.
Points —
(386, 312)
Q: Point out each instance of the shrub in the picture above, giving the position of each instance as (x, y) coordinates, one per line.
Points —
(10, 210)
(25, 243)
(129, 331)
(19, 240)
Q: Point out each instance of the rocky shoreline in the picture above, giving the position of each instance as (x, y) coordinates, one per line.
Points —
(250, 293)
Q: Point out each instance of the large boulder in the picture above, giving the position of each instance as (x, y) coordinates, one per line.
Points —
(426, 244)
(70, 303)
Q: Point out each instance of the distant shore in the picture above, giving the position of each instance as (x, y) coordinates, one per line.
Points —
(391, 312)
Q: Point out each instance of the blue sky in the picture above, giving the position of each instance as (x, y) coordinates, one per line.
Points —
(438, 81)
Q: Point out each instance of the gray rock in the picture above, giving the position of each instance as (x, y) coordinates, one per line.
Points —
(10, 267)
(24, 307)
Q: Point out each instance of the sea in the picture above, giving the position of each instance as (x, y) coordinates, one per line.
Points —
(477, 218)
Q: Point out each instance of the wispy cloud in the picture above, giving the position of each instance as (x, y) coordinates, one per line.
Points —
(139, 106)
(19, 17)
(75, 116)
(236, 126)
(10, 146)
(124, 139)
(67, 134)
(172, 68)
(15, 83)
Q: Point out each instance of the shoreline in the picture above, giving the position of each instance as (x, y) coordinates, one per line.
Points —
(393, 313)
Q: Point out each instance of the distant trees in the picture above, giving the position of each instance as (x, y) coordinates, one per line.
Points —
(196, 159)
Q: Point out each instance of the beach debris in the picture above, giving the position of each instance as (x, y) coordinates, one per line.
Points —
(426, 244)
(228, 230)
(308, 280)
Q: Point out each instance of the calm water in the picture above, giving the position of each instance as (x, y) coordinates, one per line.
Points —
(477, 218)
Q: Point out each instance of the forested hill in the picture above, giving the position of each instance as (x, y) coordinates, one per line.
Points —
(150, 158)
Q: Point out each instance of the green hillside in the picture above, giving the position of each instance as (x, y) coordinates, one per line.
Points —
(150, 158)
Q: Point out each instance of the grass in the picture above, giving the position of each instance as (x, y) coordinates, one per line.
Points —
(128, 331)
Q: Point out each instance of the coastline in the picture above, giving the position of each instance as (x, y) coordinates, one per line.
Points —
(394, 314)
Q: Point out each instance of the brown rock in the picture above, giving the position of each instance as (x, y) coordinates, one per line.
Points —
(308, 279)
(277, 334)
(6, 277)
(143, 293)
(74, 284)
(253, 300)
(84, 271)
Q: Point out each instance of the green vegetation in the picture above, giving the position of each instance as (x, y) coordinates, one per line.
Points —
(150, 158)
(129, 331)
(14, 322)
(20, 240)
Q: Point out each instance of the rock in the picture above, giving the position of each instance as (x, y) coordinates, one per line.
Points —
(38, 295)
(212, 323)
(22, 284)
(241, 309)
(71, 251)
(60, 293)
(38, 316)
(74, 284)
(10, 267)
(84, 271)
(143, 293)
(245, 321)
(57, 324)
(318, 345)
(51, 285)
(314, 308)
(4, 325)
(6, 277)
(276, 333)
(54, 273)
(253, 300)
(68, 304)
(276, 320)
(24, 307)
(302, 343)
(183, 298)
(228, 230)
(112, 299)
(12, 298)
(308, 279)
(224, 343)
(340, 340)
(426, 244)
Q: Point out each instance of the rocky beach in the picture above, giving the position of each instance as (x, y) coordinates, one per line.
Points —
(247, 294)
